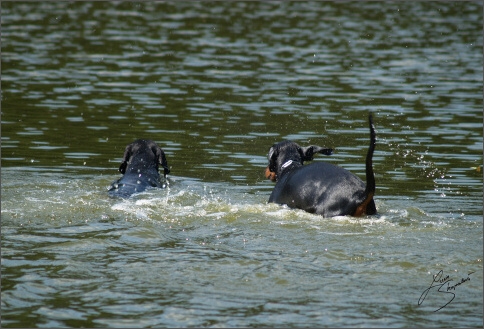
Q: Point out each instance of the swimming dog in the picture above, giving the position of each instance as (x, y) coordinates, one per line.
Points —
(141, 161)
(320, 188)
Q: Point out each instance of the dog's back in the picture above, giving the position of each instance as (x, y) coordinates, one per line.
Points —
(323, 189)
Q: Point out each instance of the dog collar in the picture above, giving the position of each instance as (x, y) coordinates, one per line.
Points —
(286, 164)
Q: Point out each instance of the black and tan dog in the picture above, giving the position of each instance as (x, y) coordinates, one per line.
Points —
(320, 188)
(141, 161)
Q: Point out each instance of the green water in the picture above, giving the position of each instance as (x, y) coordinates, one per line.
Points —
(215, 84)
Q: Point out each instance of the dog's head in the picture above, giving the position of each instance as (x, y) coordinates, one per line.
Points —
(284, 154)
(145, 151)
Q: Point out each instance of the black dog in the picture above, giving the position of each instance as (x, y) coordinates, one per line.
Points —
(140, 168)
(320, 188)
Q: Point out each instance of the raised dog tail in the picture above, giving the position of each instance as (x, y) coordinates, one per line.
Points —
(370, 177)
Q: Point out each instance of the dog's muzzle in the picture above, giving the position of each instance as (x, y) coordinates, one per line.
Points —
(270, 174)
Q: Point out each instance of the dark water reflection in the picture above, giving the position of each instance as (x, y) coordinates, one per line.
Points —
(216, 84)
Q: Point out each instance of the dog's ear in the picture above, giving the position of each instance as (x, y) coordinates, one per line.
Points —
(270, 172)
(307, 153)
(272, 157)
(126, 156)
(161, 159)
(122, 167)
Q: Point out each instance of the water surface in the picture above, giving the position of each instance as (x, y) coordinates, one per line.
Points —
(215, 84)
